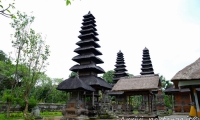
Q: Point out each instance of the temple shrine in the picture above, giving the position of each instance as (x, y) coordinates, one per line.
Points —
(87, 68)
(120, 71)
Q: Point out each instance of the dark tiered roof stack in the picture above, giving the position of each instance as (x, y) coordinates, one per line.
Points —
(147, 67)
(120, 70)
(87, 56)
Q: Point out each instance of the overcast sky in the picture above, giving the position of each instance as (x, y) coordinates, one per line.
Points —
(170, 29)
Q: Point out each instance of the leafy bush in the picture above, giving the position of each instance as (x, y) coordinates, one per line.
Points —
(32, 103)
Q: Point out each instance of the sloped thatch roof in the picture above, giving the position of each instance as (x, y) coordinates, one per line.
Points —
(137, 83)
(74, 83)
(95, 81)
(190, 72)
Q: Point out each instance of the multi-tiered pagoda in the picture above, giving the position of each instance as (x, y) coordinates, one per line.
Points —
(87, 60)
(147, 67)
(120, 70)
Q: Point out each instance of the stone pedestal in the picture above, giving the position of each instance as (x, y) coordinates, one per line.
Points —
(75, 107)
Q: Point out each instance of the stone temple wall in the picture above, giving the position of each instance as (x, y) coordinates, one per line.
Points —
(42, 107)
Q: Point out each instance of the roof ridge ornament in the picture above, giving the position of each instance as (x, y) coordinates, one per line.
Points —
(89, 12)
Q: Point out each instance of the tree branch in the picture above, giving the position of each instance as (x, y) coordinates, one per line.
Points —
(6, 15)
(5, 9)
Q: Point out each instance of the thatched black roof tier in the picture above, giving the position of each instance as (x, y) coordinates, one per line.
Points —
(119, 73)
(120, 62)
(87, 67)
(73, 84)
(88, 42)
(89, 21)
(92, 49)
(120, 67)
(147, 67)
(88, 36)
(96, 82)
(88, 27)
(90, 30)
(92, 57)
(89, 18)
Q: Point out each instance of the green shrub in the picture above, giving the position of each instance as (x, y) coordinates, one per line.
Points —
(135, 112)
(32, 104)
(170, 111)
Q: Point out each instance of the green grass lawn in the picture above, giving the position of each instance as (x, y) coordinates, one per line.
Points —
(19, 115)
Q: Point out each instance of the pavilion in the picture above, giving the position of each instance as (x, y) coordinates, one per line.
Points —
(189, 77)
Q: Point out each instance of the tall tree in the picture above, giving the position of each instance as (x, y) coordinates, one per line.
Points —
(32, 54)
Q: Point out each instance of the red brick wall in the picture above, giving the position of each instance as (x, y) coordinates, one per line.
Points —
(182, 98)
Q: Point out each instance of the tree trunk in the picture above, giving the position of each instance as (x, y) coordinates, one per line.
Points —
(8, 110)
(26, 106)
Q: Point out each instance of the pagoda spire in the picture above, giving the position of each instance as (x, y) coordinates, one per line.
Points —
(147, 67)
(87, 55)
(120, 70)
(87, 49)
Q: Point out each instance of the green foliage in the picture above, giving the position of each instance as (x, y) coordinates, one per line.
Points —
(108, 76)
(46, 113)
(45, 90)
(168, 101)
(68, 2)
(3, 56)
(165, 83)
(135, 112)
(73, 74)
(8, 96)
(13, 116)
(32, 103)
(7, 69)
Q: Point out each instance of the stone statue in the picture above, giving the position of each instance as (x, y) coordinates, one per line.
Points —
(36, 112)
